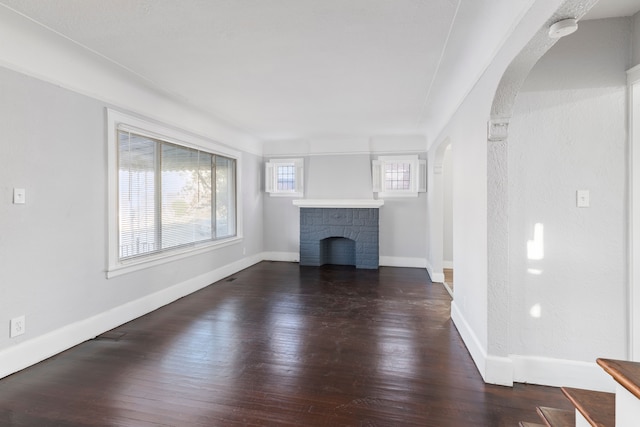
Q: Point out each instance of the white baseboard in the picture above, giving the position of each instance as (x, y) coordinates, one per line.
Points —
(447, 264)
(477, 352)
(561, 373)
(30, 352)
(530, 369)
(394, 261)
(493, 369)
(387, 261)
(498, 370)
(436, 276)
(281, 256)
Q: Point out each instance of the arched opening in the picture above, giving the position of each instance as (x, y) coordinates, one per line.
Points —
(436, 206)
(555, 131)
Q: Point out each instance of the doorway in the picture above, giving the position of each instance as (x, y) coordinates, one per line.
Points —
(447, 218)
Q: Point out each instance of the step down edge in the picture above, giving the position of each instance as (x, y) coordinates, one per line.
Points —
(625, 372)
(597, 407)
(555, 417)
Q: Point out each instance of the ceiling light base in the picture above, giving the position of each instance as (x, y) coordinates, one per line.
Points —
(563, 28)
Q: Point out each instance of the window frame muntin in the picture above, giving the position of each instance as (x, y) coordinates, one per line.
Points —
(117, 120)
(415, 176)
(298, 164)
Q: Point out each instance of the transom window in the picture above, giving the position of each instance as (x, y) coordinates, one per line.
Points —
(170, 197)
(399, 176)
(284, 177)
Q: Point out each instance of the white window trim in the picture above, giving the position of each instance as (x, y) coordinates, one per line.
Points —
(270, 177)
(418, 182)
(116, 120)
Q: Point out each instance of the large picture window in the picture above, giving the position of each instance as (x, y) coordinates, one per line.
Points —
(171, 197)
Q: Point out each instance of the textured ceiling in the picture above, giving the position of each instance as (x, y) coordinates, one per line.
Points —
(613, 8)
(295, 69)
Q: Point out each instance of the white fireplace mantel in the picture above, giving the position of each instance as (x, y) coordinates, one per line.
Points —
(338, 203)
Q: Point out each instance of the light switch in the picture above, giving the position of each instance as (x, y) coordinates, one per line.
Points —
(19, 196)
(582, 198)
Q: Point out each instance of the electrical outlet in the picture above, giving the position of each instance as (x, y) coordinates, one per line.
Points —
(17, 326)
(582, 198)
(19, 196)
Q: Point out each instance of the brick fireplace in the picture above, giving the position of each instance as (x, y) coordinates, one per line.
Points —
(339, 232)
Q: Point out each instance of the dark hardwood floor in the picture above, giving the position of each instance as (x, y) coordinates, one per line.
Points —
(278, 344)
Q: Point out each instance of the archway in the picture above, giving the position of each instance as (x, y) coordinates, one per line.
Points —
(436, 199)
(498, 253)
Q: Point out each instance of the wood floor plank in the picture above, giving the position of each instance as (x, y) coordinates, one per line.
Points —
(280, 345)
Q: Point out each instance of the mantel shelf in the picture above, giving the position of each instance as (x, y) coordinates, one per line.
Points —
(338, 203)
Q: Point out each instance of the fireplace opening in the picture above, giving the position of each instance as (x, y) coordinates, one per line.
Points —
(338, 251)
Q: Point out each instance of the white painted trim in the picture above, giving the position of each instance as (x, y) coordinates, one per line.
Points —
(385, 261)
(627, 407)
(271, 177)
(166, 257)
(633, 79)
(498, 370)
(447, 264)
(477, 352)
(338, 203)
(447, 287)
(118, 120)
(561, 373)
(493, 369)
(347, 152)
(581, 421)
(436, 277)
(530, 369)
(633, 74)
(337, 146)
(30, 352)
(393, 261)
(281, 256)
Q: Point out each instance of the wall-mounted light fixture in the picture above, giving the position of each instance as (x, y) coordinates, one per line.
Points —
(562, 28)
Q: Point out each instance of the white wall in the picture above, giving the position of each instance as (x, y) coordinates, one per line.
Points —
(340, 169)
(53, 249)
(482, 331)
(568, 133)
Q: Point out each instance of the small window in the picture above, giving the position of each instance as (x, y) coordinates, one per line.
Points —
(284, 177)
(399, 176)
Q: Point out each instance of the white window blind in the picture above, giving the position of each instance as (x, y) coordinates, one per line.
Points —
(171, 196)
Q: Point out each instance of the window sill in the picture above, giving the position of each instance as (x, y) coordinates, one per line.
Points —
(137, 264)
(338, 203)
(409, 194)
(273, 194)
